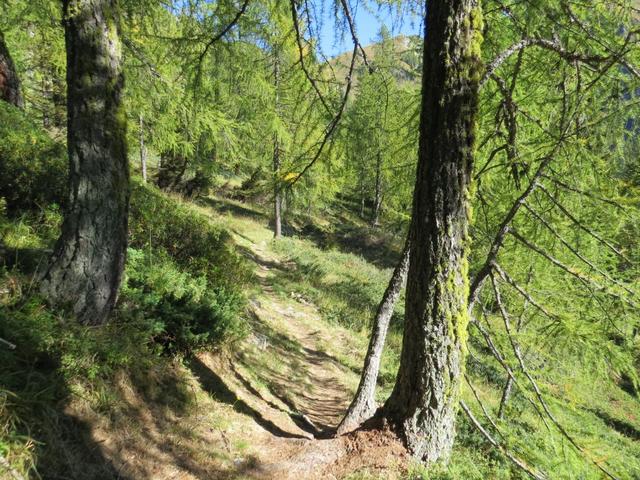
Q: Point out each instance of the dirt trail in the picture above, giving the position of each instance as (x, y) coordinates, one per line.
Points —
(283, 370)
(262, 410)
(285, 377)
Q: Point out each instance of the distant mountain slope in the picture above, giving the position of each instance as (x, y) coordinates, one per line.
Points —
(407, 49)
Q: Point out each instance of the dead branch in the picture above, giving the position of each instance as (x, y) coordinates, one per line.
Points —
(525, 371)
(582, 226)
(515, 460)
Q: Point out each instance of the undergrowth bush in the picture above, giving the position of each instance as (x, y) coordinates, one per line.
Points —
(187, 311)
(182, 292)
(32, 165)
(161, 223)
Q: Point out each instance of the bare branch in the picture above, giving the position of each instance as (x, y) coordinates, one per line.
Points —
(9, 345)
(583, 227)
(516, 461)
(312, 81)
(334, 122)
(354, 35)
(592, 60)
(224, 31)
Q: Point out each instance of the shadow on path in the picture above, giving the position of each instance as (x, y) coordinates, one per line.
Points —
(215, 385)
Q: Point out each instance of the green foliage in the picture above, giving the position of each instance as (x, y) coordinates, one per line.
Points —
(186, 313)
(32, 164)
(379, 138)
(163, 224)
(218, 112)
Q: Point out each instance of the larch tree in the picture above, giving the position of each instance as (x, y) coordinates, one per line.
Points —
(277, 193)
(88, 261)
(424, 401)
(364, 406)
(9, 80)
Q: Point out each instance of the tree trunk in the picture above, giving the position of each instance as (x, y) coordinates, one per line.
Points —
(364, 404)
(506, 394)
(424, 400)
(362, 197)
(377, 202)
(143, 151)
(86, 267)
(9, 81)
(277, 193)
(277, 201)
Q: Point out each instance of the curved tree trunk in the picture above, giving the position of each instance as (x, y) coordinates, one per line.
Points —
(277, 195)
(9, 81)
(424, 400)
(364, 404)
(87, 264)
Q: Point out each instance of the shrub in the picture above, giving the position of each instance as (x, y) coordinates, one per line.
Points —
(158, 222)
(32, 165)
(186, 312)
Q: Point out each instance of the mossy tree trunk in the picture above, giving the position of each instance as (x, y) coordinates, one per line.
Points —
(424, 400)
(364, 404)
(87, 264)
(9, 80)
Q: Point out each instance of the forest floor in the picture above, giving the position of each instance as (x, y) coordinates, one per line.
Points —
(264, 408)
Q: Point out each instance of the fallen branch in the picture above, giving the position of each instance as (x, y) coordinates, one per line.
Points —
(10, 345)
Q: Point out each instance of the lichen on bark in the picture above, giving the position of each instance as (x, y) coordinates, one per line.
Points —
(424, 400)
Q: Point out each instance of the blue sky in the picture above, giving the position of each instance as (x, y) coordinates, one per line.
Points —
(368, 18)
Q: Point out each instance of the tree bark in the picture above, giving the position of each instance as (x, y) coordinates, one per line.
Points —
(424, 400)
(143, 151)
(277, 201)
(364, 404)
(87, 264)
(506, 395)
(377, 201)
(9, 81)
(362, 195)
